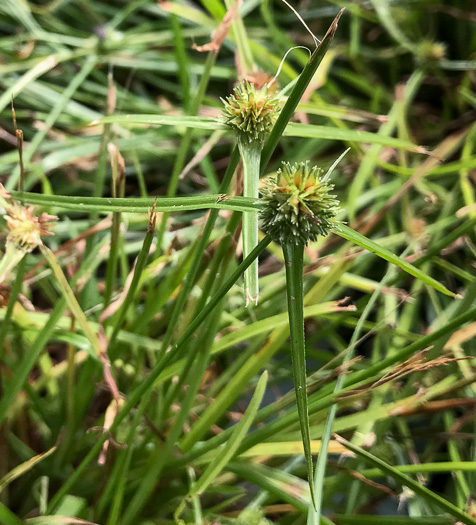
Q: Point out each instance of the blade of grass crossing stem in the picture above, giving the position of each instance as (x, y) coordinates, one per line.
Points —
(351, 235)
(295, 97)
(148, 383)
(294, 263)
(405, 480)
(140, 265)
(239, 432)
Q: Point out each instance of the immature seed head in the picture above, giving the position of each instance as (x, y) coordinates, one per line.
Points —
(26, 229)
(250, 112)
(297, 204)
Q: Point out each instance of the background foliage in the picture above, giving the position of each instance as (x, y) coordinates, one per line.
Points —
(202, 432)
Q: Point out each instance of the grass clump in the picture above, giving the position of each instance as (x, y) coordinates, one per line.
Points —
(135, 385)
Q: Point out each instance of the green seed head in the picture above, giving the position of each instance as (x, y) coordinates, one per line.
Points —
(429, 51)
(297, 204)
(250, 113)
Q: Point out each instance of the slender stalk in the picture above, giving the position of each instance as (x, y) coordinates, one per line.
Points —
(11, 302)
(140, 266)
(250, 155)
(294, 261)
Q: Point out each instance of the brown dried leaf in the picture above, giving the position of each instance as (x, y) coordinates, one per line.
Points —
(221, 32)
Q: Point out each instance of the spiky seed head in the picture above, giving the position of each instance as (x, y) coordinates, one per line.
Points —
(250, 112)
(26, 229)
(298, 206)
(430, 51)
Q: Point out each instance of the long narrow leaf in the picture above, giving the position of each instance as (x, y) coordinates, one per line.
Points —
(351, 235)
(237, 436)
(294, 260)
(23, 468)
(183, 121)
(295, 97)
(138, 205)
(408, 482)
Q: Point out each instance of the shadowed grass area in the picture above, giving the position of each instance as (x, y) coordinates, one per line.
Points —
(136, 386)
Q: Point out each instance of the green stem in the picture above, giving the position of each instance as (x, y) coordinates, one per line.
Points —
(140, 266)
(20, 272)
(251, 156)
(294, 262)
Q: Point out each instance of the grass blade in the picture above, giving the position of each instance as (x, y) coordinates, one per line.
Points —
(237, 436)
(303, 81)
(181, 121)
(405, 480)
(351, 235)
(140, 265)
(294, 260)
(139, 205)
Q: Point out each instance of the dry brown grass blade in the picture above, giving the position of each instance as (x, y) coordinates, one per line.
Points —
(459, 337)
(433, 406)
(219, 35)
(415, 364)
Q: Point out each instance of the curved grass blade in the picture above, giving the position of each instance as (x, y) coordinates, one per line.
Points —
(239, 432)
(405, 480)
(351, 235)
(24, 468)
(295, 97)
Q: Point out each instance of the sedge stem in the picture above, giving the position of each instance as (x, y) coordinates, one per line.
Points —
(294, 261)
(251, 156)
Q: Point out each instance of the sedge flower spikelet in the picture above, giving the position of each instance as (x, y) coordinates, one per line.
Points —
(298, 206)
(251, 113)
(26, 229)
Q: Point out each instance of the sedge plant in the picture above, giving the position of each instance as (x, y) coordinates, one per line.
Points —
(298, 207)
(251, 113)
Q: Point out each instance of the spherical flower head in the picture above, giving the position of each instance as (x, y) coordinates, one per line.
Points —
(26, 229)
(297, 204)
(429, 51)
(250, 112)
